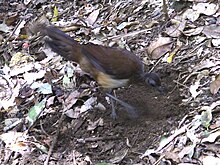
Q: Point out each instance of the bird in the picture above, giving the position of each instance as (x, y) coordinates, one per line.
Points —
(111, 67)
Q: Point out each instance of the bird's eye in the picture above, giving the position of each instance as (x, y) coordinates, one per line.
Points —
(151, 82)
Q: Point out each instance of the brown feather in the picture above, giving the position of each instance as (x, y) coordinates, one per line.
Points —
(117, 64)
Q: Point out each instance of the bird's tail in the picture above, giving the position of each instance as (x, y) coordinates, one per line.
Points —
(60, 42)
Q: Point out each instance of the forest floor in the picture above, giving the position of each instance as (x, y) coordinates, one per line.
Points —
(54, 113)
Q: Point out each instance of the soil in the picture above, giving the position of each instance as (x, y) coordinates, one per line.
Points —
(157, 114)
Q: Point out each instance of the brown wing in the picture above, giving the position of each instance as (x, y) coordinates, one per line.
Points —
(118, 63)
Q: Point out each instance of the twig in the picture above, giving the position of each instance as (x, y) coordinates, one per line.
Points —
(187, 78)
(155, 65)
(177, 82)
(42, 128)
(55, 139)
(165, 11)
(126, 35)
(7, 39)
(160, 158)
(170, 138)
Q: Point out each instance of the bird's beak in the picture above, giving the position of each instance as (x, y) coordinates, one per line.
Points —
(162, 90)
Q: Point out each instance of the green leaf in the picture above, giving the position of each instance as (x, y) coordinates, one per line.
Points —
(206, 118)
(45, 88)
(55, 14)
(66, 81)
(35, 111)
(41, 147)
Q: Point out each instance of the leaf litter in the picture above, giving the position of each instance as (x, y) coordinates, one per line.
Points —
(38, 91)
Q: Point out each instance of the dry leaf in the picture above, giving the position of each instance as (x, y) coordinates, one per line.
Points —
(216, 42)
(92, 125)
(194, 89)
(159, 47)
(207, 160)
(206, 8)
(193, 32)
(93, 17)
(176, 29)
(212, 31)
(191, 15)
(71, 99)
(215, 85)
(212, 137)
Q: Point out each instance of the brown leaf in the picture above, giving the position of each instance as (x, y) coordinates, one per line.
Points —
(206, 8)
(193, 32)
(71, 99)
(93, 17)
(212, 31)
(159, 47)
(176, 29)
(215, 85)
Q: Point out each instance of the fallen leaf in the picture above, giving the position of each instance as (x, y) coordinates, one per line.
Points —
(41, 147)
(159, 47)
(93, 17)
(193, 89)
(120, 156)
(19, 58)
(92, 125)
(172, 156)
(50, 101)
(4, 28)
(31, 77)
(212, 31)
(193, 32)
(44, 88)
(20, 26)
(206, 118)
(174, 51)
(191, 15)
(216, 42)
(126, 25)
(176, 29)
(215, 85)
(207, 160)
(88, 104)
(55, 14)
(216, 124)
(100, 106)
(206, 8)
(71, 99)
(16, 141)
(212, 137)
(35, 111)
(188, 150)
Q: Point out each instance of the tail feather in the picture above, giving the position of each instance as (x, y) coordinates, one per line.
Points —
(62, 50)
(62, 43)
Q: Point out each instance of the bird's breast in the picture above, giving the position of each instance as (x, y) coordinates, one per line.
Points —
(106, 81)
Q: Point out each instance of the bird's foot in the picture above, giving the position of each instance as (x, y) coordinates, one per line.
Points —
(113, 115)
(131, 111)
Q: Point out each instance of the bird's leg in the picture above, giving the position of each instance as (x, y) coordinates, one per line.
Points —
(113, 114)
(130, 110)
(112, 102)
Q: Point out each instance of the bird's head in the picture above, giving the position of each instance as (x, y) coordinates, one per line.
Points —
(154, 80)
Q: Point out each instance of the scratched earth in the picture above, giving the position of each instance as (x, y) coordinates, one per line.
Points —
(124, 137)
